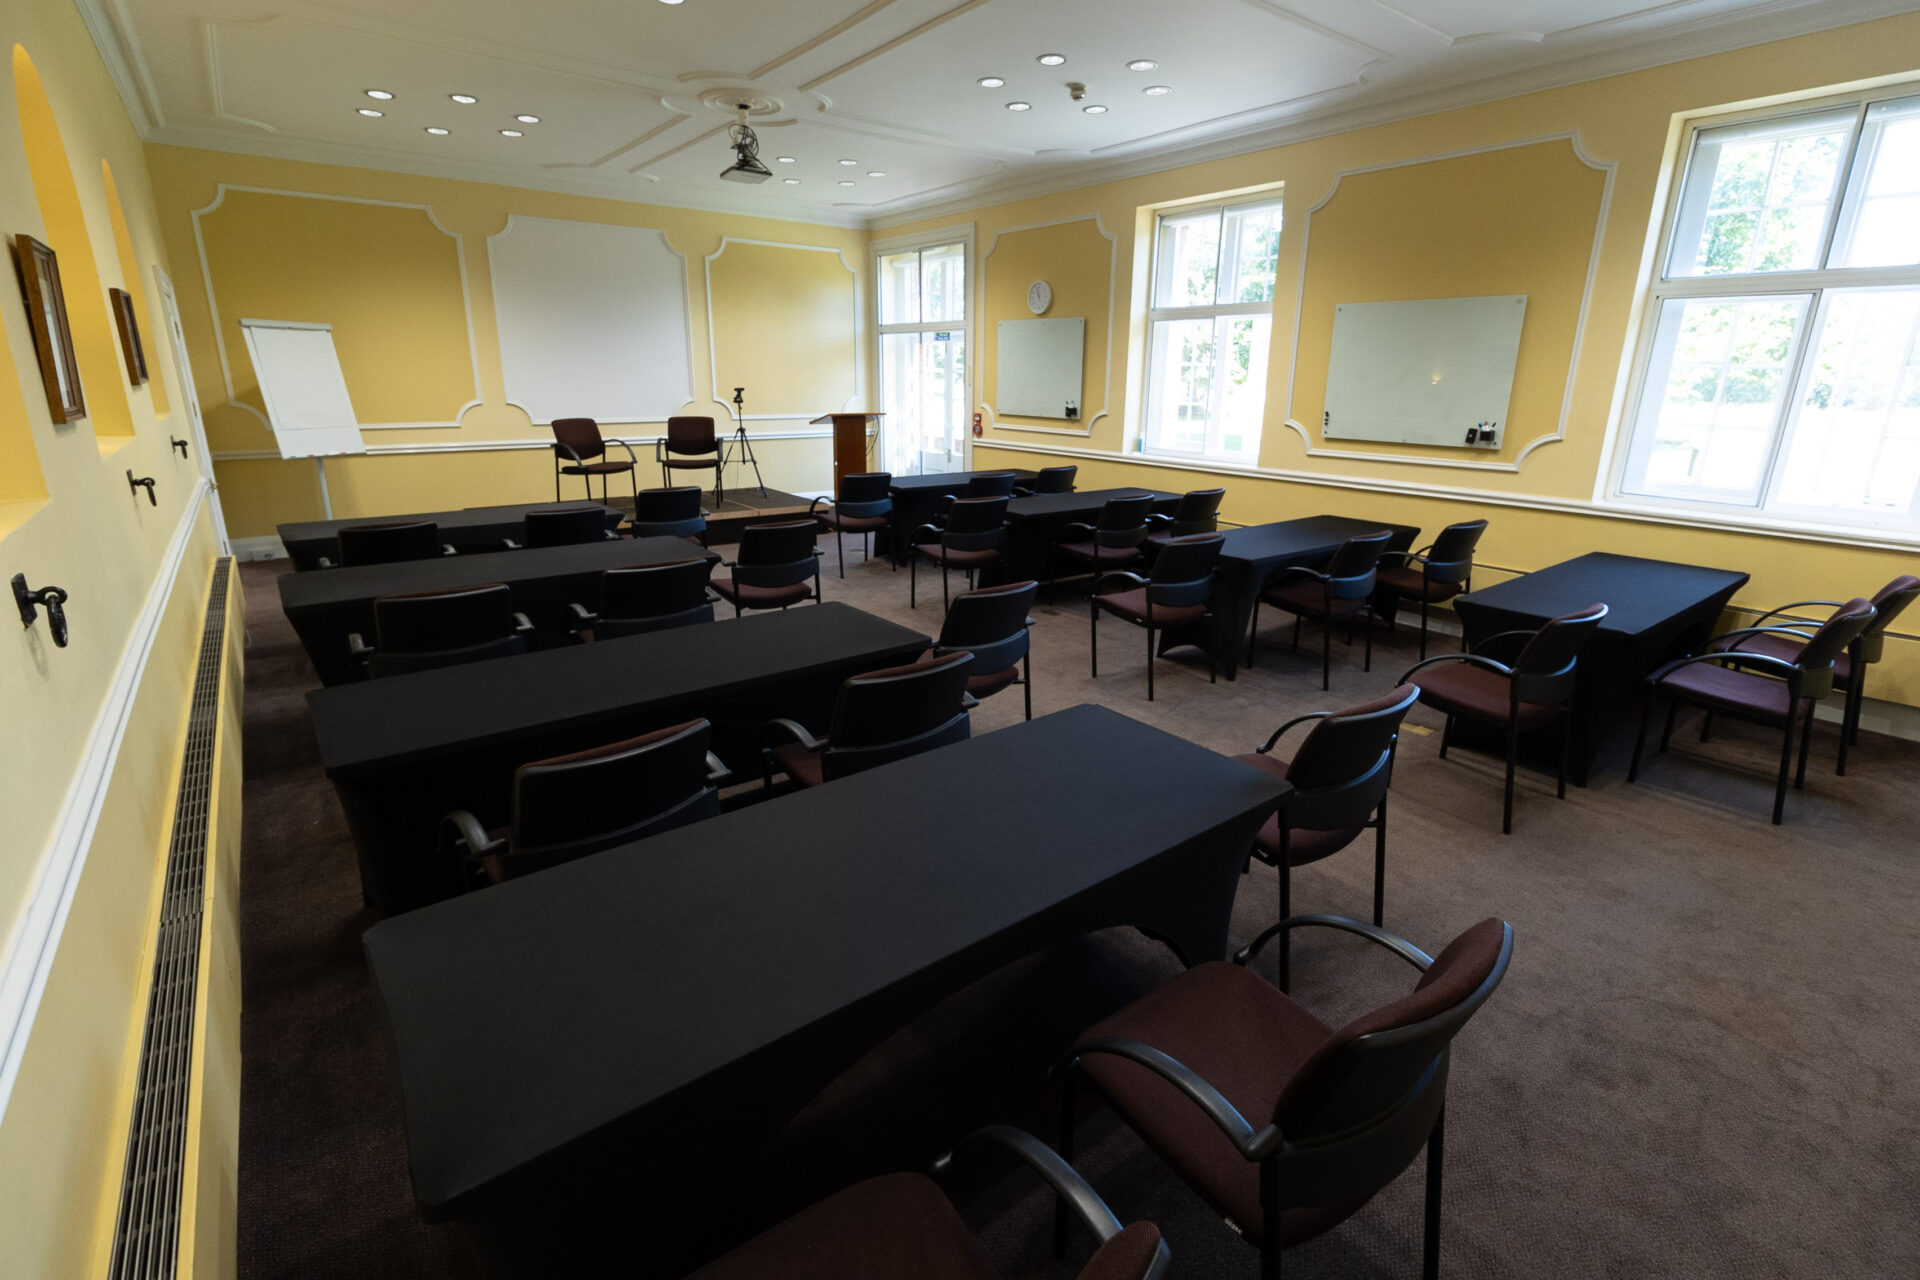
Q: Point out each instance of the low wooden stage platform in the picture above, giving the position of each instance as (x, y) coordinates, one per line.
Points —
(742, 506)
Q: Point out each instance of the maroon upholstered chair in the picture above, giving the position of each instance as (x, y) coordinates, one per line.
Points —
(573, 805)
(1439, 571)
(1759, 687)
(1174, 595)
(970, 539)
(388, 542)
(1850, 668)
(565, 527)
(981, 484)
(690, 444)
(1198, 512)
(643, 598)
(776, 565)
(900, 1227)
(422, 630)
(1113, 541)
(1285, 1125)
(878, 717)
(579, 439)
(1340, 776)
(1339, 591)
(991, 624)
(670, 513)
(862, 505)
(1049, 480)
(1529, 694)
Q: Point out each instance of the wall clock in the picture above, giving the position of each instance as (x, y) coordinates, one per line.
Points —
(1039, 297)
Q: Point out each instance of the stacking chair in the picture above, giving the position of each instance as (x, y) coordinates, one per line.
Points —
(689, 445)
(1339, 591)
(427, 629)
(1340, 776)
(1048, 480)
(651, 597)
(567, 526)
(1174, 595)
(1198, 512)
(1195, 1066)
(1530, 693)
(900, 1226)
(388, 542)
(670, 513)
(861, 506)
(1850, 668)
(1439, 571)
(1111, 542)
(991, 624)
(1759, 687)
(579, 439)
(971, 538)
(878, 717)
(574, 805)
(981, 484)
(772, 567)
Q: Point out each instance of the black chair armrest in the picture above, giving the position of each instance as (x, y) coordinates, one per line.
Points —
(1797, 604)
(914, 538)
(470, 839)
(1065, 1180)
(942, 504)
(774, 730)
(323, 563)
(567, 449)
(1779, 666)
(1281, 731)
(812, 506)
(1506, 638)
(358, 650)
(1471, 659)
(1407, 557)
(1079, 528)
(729, 564)
(660, 449)
(968, 702)
(1112, 576)
(522, 624)
(1315, 574)
(580, 618)
(1212, 1103)
(1373, 933)
(631, 457)
(611, 535)
(448, 549)
(716, 768)
(1745, 633)
(508, 544)
(713, 597)
(1157, 518)
(1021, 491)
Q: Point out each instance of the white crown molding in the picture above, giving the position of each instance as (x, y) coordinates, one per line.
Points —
(30, 951)
(514, 446)
(1559, 433)
(713, 350)
(1113, 279)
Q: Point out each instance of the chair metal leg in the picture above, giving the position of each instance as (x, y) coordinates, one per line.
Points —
(840, 545)
(1706, 726)
(1806, 741)
(1786, 767)
(1061, 1221)
(1436, 1162)
(1380, 865)
(1513, 749)
(913, 578)
(1326, 651)
(1286, 907)
(946, 600)
(1026, 684)
(1149, 664)
(1640, 742)
(1053, 571)
(1566, 744)
(1666, 731)
(1859, 692)
(1368, 664)
(1253, 629)
(1446, 732)
(1093, 640)
(1270, 1243)
(1423, 629)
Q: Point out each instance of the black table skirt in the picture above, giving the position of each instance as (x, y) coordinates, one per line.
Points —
(1656, 611)
(327, 606)
(1034, 524)
(471, 530)
(405, 751)
(589, 1056)
(915, 497)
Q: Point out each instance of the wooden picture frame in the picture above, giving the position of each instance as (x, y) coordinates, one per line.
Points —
(52, 337)
(129, 326)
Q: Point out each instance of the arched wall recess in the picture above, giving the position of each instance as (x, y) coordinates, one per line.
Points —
(132, 278)
(23, 486)
(95, 343)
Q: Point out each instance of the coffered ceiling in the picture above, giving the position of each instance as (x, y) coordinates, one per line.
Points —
(632, 96)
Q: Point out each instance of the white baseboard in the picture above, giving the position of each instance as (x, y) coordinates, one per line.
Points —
(267, 548)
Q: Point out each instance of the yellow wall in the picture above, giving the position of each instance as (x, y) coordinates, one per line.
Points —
(72, 522)
(1481, 200)
(378, 288)
(1075, 258)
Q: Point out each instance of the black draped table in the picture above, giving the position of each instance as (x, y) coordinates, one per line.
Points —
(1656, 611)
(471, 529)
(326, 606)
(588, 1057)
(405, 751)
(1034, 524)
(915, 497)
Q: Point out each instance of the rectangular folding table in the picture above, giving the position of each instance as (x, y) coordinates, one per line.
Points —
(471, 529)
(1033, 524)
(915, 497)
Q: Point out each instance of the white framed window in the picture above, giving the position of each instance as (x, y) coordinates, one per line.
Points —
(1779, 374)
(922, 329)
(1209, 330)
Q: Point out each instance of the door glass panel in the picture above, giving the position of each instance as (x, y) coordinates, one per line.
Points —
(923, 370)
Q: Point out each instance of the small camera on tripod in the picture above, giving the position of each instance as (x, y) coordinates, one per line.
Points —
(739, 395)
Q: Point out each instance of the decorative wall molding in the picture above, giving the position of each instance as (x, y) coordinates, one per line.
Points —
(219, 329)
(29, 955)
(510, 446)
(1559, 433)
(713, 350)
(1113, 281)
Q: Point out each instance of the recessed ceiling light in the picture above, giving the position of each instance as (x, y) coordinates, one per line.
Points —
(672, 1)
(528, 119)
(436, 131)
(1142, 64)
(1157, 90)
(849, 162)
(876, 173)
(1095, 110)
(1019, 106)
(381, 94)
(792, 182)
(846, 182)
(464, 99)
(369, 111)
(512, 133)
(784, 159)
(1051, 59)
(991, 82)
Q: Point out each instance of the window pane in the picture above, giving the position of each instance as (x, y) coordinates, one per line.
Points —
(1180, 385)
(923, 392)
(900, 288)
(1757, 196)
(1244, 342)
(1713, 393)
(1253, 247)
(1885, 219)
(1856, 443)
(1188, 261)
(943, 283)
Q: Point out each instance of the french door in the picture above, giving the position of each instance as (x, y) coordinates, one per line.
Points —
(924, 365)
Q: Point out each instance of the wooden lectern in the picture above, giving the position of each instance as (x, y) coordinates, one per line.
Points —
(849, 442)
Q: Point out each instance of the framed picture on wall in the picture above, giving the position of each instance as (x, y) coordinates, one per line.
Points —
(52, 338)
(129, 335)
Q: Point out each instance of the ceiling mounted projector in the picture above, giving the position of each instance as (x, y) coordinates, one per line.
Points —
(746, 166)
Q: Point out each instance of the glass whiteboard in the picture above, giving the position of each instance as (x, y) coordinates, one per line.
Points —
(1425, 372)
